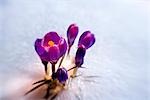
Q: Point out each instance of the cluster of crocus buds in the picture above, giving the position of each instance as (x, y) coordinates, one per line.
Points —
(52, 49)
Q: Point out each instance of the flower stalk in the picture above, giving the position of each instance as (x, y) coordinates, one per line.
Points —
(45, 63)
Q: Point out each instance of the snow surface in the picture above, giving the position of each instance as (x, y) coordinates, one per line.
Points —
(119, 58)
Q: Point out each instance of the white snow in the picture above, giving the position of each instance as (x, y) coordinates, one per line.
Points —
(119, 57)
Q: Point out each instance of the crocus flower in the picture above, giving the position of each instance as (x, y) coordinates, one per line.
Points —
(79, 58)
(62, 75)
(87, 39)
(72, 33)
(51, 47)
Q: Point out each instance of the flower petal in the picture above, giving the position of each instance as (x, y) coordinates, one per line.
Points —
(51, 36)
(54, 54)
(87, 39)
(40, 50)
(62, 46)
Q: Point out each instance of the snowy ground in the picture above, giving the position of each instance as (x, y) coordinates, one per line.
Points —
(119, 56)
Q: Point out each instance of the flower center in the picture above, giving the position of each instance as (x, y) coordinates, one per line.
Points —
(51, 43)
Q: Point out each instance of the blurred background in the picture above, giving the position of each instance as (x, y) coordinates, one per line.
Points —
(118, 59)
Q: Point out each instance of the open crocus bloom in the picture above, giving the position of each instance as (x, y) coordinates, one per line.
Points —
(87, 39)
(51, 47)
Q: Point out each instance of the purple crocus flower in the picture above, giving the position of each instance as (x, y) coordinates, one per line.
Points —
(79, 58)
(72, 33)
(51, 47)
(62, 75)
(87, 39)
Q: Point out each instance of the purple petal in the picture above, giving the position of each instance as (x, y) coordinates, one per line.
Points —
(62, 75)
(87, 39)
(62, 47)
(40, 50)
(51, 36)
(79, 58)
(54, 54)
(72, 33)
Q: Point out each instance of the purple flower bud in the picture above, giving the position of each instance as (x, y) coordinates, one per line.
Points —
(62, 75)
(87, 39)
(72, 33)
(79, 58)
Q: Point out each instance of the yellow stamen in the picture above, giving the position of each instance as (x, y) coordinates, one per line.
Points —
(50, 43)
